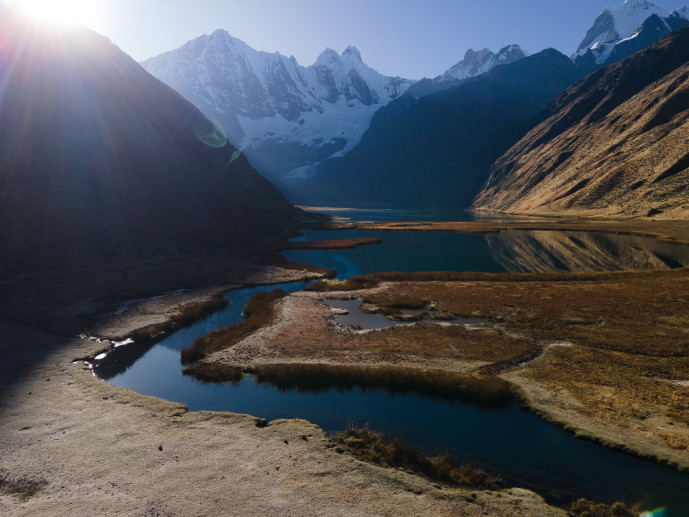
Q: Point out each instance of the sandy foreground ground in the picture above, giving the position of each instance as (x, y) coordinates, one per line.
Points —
(71, 444)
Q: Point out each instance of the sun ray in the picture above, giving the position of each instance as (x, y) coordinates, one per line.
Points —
(63, 12)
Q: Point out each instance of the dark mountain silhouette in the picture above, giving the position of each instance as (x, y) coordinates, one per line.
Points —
(101, 163)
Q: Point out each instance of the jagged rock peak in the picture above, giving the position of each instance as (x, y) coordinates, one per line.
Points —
(619, 22)
(353, 51)
(330, 56)
(327, 57)
(477, 62)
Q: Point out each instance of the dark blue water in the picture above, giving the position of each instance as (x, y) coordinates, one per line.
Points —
(430, 215)
(513, 251)
(400, 251)
(364, 215)
(524, 449)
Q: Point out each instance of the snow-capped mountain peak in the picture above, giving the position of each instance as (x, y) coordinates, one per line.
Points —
(619, 23)
(327, 58)
(285, 116)
(477, 62)
(352, 51)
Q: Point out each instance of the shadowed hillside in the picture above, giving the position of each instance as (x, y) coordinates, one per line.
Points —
(103, 165)
(615, 143)
(437, 150)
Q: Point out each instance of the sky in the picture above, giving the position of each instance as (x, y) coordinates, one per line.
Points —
(408, 38)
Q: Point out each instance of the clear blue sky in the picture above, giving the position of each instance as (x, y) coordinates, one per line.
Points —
(410, 38)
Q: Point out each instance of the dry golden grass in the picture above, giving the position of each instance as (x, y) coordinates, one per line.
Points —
(621, 389)
(315, 378)
(423, 340)
(585, 508)
(629, 338)
(668, 230)
(641, 313)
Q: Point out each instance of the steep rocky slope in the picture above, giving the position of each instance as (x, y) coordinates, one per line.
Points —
(615, 143)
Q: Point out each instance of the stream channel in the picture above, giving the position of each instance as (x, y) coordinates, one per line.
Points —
(523, 448)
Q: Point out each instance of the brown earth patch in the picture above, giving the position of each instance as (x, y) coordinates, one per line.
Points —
(336, 244)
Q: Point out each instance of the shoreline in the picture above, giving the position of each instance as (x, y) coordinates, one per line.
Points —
(672, 231)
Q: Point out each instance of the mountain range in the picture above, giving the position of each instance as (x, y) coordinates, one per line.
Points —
(339, 133)
(436, 150)
(282, 115)
(288, 118)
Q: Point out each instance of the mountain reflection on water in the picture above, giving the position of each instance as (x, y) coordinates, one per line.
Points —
(505, 251)
(539, 251)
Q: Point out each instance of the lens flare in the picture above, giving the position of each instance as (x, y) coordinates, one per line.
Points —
(63, 12)
(209, 135)
(658, 512)
(235, 155)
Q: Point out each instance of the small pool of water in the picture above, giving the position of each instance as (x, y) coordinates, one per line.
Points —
(360, 321)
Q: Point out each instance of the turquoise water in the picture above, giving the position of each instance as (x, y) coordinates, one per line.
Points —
(524, 449)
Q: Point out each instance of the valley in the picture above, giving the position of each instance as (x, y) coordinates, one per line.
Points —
(233, 284)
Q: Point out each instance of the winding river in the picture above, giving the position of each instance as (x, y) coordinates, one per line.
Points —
(524, 449)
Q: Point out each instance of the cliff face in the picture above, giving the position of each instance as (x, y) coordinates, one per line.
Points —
(616, 143)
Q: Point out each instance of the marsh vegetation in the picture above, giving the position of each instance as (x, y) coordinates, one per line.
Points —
(258, 313)
(488, 392)
(375, 447)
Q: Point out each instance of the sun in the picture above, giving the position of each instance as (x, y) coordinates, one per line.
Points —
(62, 12)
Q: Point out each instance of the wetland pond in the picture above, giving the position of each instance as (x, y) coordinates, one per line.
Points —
(523, 448)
